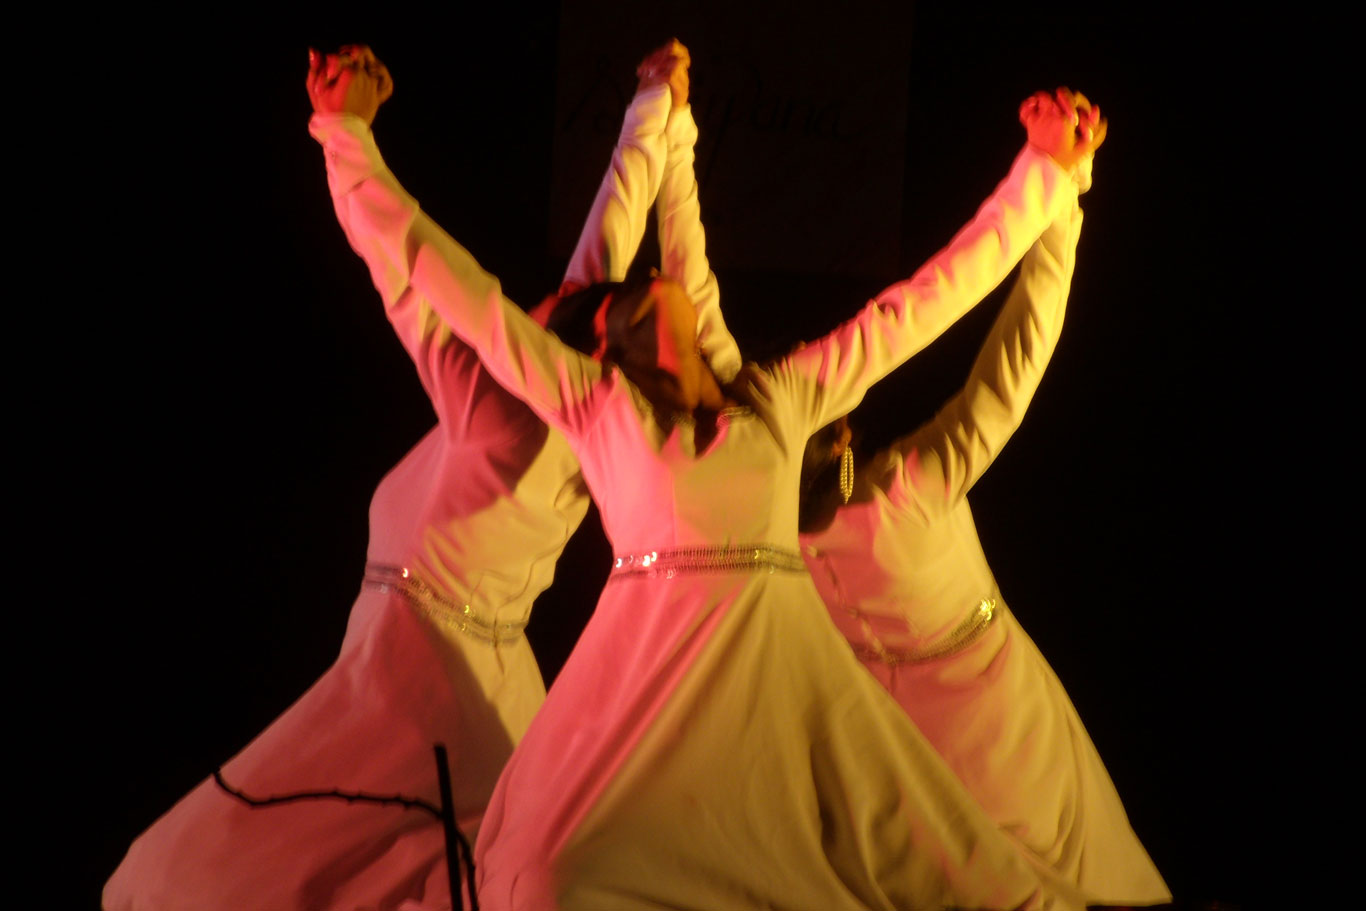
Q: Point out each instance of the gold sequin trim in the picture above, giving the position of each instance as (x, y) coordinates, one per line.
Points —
(460, 617)
(963, 635)
(727, 558)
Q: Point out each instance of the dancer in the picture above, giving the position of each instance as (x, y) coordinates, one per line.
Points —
(904, 576)
(464, 533)
(712, 742)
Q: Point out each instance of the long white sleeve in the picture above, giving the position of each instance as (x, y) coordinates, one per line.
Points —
(932, 469)
(410, 255)
(616, 222)
(468, 404)
(683, 244)
(416, 324)
(829, 377)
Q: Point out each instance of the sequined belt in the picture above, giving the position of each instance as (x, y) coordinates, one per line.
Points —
(460, 617)
(725, 558)
(964, 634)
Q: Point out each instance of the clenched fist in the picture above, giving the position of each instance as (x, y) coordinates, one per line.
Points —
(669, 64)
(1064, 124)
(351, 81)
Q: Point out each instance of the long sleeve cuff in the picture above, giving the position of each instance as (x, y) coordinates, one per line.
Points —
(1081, 174)
(647, 114)
(681, 129)
(352, 156)
(1034, 163)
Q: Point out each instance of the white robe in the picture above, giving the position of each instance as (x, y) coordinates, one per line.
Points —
(901, 570)
(904, 576)
(473, 518)
(712, 742)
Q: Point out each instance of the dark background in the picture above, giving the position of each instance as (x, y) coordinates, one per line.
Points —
(244, 394)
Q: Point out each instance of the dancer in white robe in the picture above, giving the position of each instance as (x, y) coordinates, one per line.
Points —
(903, 573)
(464, 534)
(712, 742)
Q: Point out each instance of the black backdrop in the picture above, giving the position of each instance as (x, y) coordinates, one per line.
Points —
(244, 394)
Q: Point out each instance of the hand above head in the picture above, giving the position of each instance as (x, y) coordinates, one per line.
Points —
(351, 81)
(1065, 125)
(669, 64)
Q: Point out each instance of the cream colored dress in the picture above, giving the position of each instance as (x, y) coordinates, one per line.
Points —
(464, 534)
(712, 743)
(906, 581)
(904, 576)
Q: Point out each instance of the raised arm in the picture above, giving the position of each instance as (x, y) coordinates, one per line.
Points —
(343, 103)
(683, 245)
(423, 274)
(828, 378)
(616, 223)
(654, 165)
(931, 470)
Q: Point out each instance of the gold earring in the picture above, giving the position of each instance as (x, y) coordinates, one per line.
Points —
(847, 473)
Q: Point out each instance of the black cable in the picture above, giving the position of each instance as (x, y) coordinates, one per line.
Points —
(455, 839)
(458, 852)
(411, 803)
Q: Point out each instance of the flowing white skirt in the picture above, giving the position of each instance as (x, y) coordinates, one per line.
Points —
(401, 683)
(1001, 719)
(713, 744)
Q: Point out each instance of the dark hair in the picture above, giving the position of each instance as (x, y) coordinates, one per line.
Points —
(573, 317)
(819, 496)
